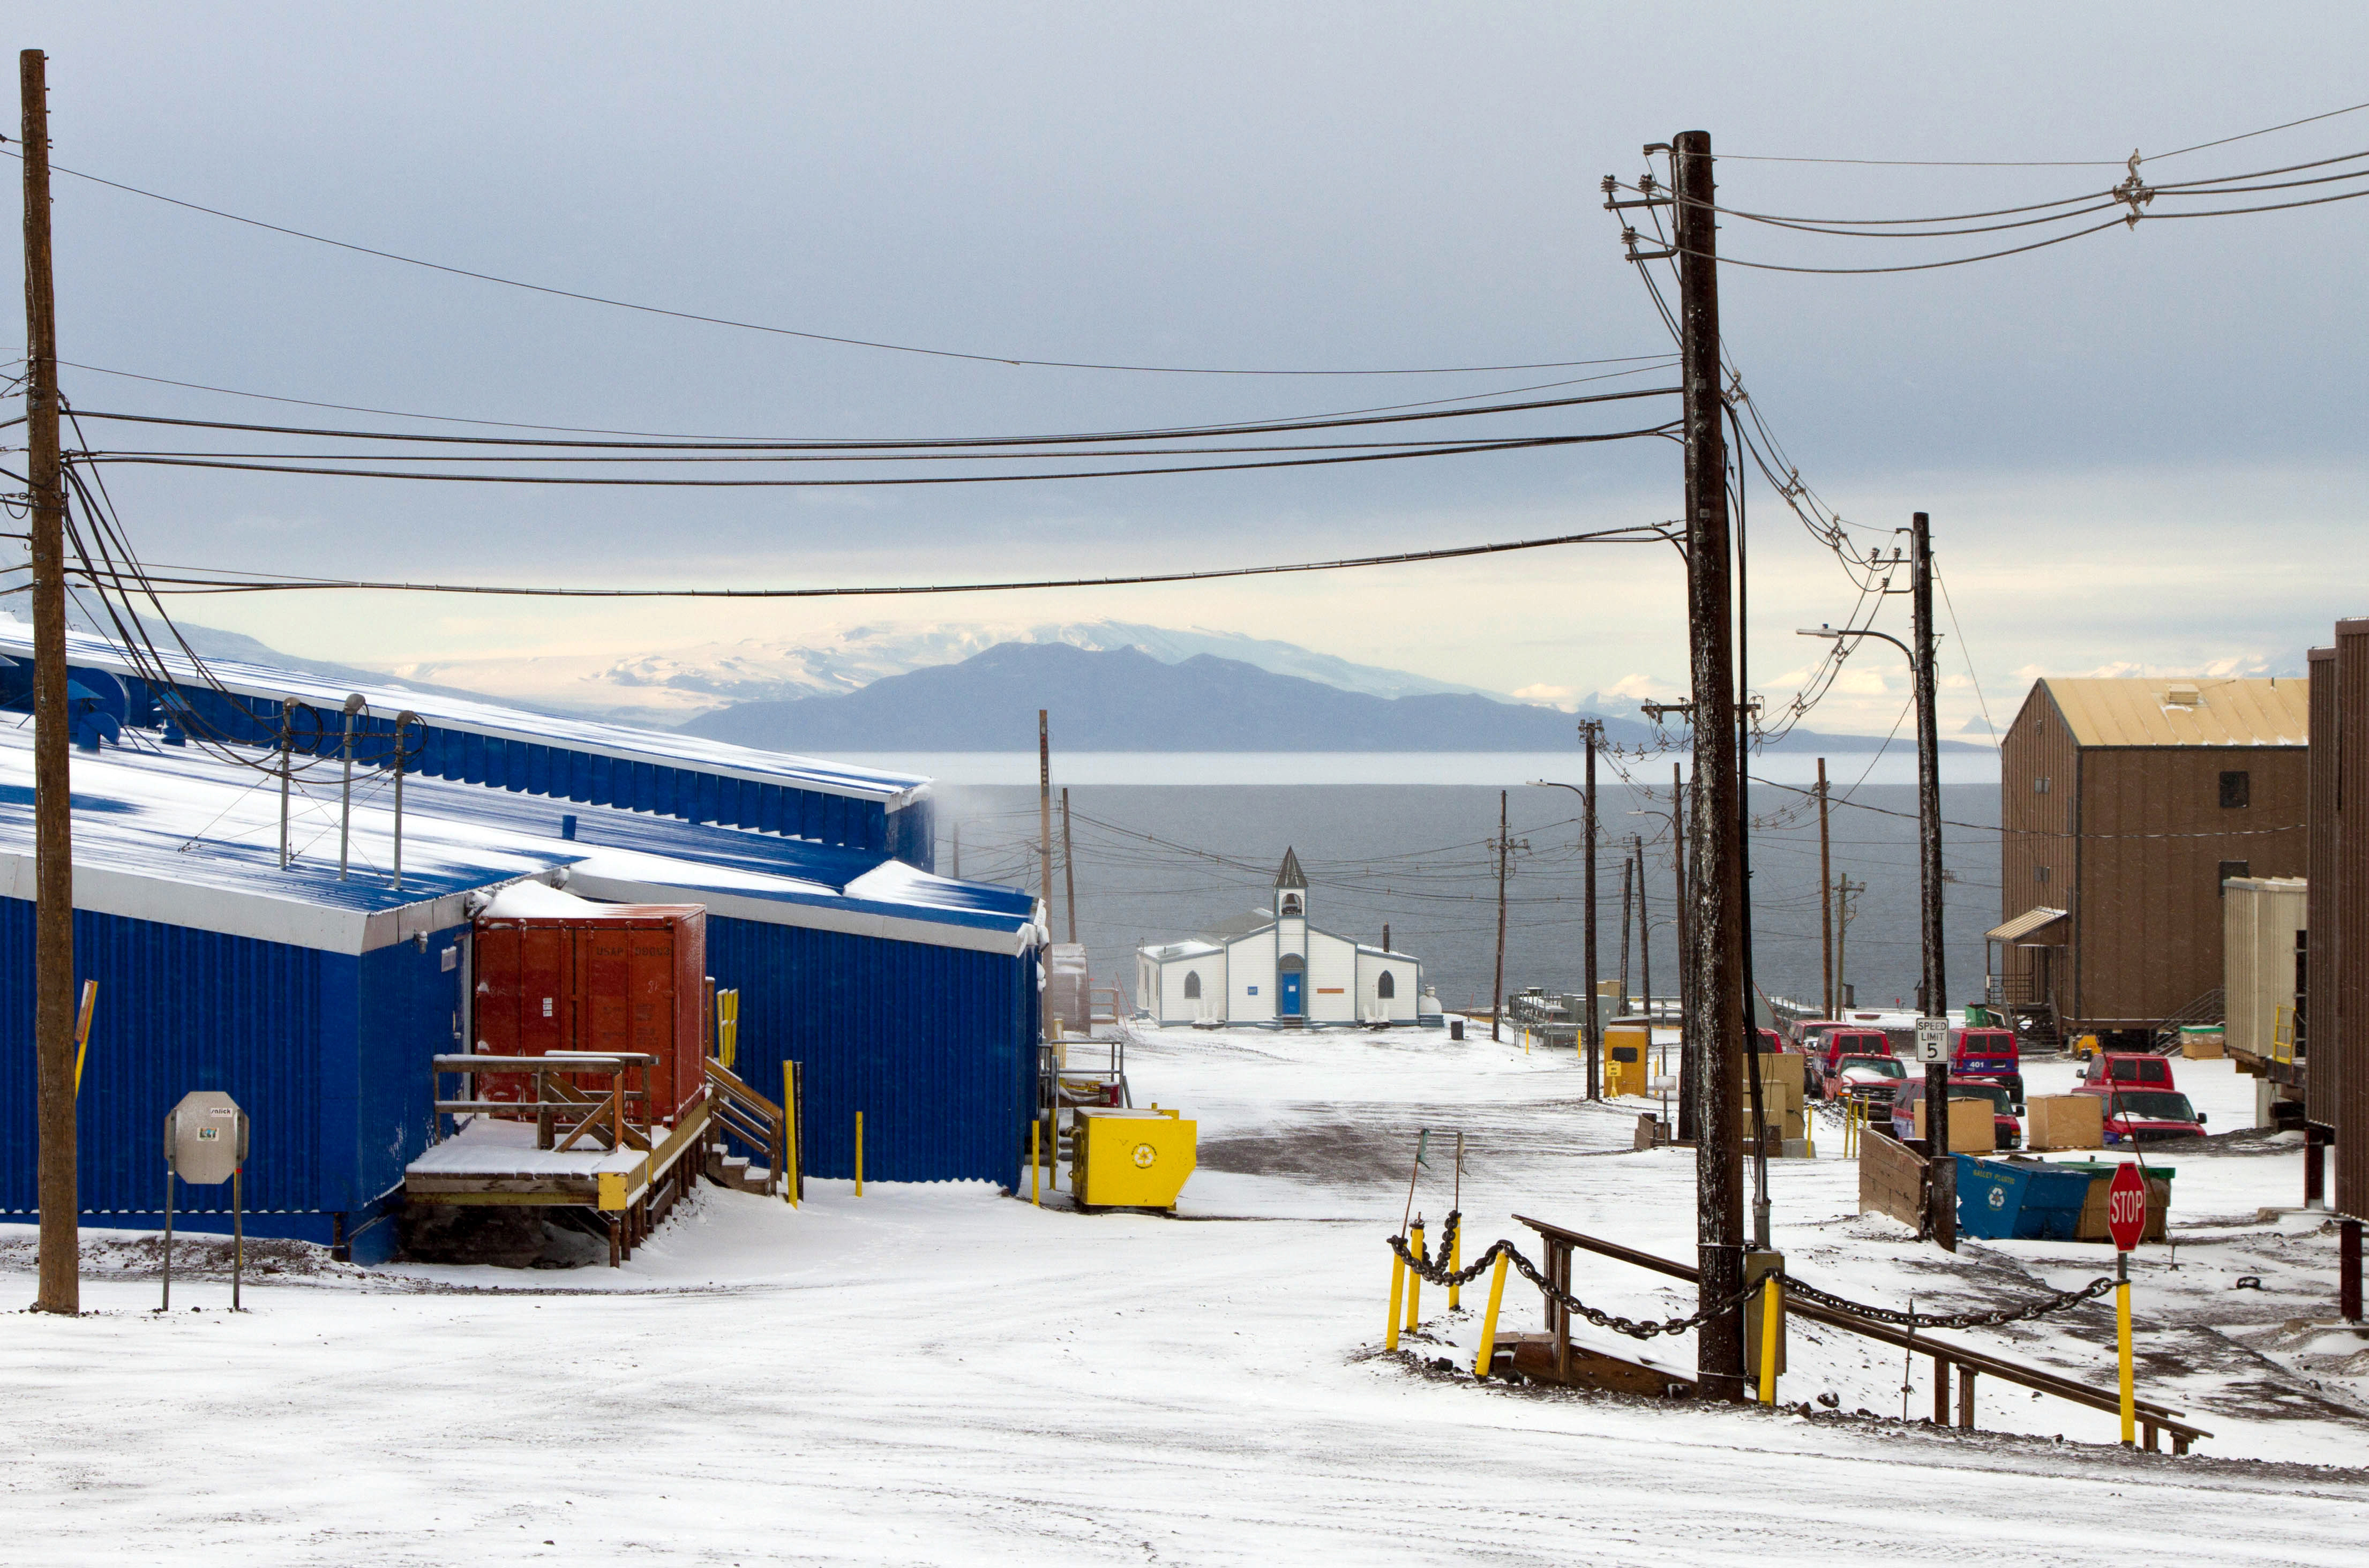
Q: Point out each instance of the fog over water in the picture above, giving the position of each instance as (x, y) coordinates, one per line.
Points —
(1417, 857)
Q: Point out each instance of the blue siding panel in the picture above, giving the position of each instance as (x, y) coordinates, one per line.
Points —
(935, 1046)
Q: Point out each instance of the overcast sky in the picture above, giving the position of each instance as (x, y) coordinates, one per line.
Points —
(2141, 449)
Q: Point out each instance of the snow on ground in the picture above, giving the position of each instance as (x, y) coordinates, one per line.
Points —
(940, 1374)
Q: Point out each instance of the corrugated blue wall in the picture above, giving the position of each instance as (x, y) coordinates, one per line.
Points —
(687, 793)
(327, 1053)
(935, 1046)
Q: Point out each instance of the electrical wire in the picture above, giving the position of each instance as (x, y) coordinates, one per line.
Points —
(1464, 450)
(1643, 364)
(2040, 162)
(259, 583)
(786, 331)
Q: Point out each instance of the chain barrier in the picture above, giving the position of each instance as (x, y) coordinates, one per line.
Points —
(1433, 1267)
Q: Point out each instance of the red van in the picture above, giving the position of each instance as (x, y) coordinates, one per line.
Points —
(2131, 1069)
(1840, 1046)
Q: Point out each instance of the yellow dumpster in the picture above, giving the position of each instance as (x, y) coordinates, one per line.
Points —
(1129, 1159)
(1626, 1046)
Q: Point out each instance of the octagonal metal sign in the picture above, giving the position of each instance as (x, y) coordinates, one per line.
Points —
(205, 1138)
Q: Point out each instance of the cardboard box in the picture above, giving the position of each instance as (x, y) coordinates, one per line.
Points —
(1972, 1127)
(2204, 1047)
(2093, 1211)
(2065, 1121)
(1785, 1069)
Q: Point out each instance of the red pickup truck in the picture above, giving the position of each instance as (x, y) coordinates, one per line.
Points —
(1840, 1046)
(2142, 1106)
(2007, 1130)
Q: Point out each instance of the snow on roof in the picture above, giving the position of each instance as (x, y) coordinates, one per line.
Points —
(663, 748)
(178, 834)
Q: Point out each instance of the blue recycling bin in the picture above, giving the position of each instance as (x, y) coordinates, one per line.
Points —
(2021, 1200)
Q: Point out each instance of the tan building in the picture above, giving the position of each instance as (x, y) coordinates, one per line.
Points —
(2124, 806)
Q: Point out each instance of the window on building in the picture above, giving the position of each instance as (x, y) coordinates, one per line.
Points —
(1387, 986)
(2230, 868)
(1291, 964)
(1193, 985)
(2236, 790)
(2039, 785)
(2039, 873)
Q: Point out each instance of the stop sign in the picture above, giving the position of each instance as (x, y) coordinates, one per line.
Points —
(2127, 1199)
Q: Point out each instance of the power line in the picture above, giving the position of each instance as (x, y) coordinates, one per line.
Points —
(672, 443)
(787, 331)
(1446, 450)
(1641, 363)
(1640, 533)
(2039, 163)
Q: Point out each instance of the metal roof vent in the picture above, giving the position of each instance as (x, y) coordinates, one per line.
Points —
(2182, 694)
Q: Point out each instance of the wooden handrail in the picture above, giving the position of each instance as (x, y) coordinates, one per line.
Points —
(1941, 1350)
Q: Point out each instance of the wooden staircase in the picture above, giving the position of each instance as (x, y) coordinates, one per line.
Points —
(737, 1110)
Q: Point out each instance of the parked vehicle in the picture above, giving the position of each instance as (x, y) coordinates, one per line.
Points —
(1988, 1053)
(1864, 1078)
(2006, 1128)
(1806, 1033)
(2130, 1069)
(2145, 1115)
(1843, 1044)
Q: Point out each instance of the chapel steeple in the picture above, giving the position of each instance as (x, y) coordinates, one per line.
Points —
(1291, 886)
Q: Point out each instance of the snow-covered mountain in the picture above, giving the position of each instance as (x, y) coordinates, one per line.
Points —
(670, 686)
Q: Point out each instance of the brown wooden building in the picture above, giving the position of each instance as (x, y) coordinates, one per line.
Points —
(2123, 804)
(2334, 1010)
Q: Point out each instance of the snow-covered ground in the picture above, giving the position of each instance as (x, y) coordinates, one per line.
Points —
(940, 1374)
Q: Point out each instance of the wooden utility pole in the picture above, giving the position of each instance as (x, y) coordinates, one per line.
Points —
(957, 833)
(1715, 959)
(1045, 816)
(1931, 999)
(1645, 937)
(1685, 979)
(60, 1288)
(1592, 1038)
(1825, 904)
(1627, 907)
(1069, 869)
(1843, 890)
(1497, 996)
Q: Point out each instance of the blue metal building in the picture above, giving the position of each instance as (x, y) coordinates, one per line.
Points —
(316, 1003)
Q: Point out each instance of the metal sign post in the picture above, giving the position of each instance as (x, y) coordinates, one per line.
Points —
(205, 1145)
(2126, 1206)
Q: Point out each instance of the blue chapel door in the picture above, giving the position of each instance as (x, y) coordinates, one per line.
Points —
(1288, 1001)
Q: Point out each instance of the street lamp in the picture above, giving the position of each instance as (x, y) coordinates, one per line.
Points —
(1931, 1001)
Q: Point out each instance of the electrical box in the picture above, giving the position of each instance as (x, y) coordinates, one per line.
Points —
(205, 1138)
(1626, 1049)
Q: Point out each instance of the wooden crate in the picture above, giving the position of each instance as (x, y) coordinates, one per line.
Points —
(2065, 1121)
(1890, 1179)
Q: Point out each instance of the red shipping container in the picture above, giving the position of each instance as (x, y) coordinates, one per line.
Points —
(631, 977)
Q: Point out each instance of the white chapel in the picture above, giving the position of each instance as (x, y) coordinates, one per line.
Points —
(1272, 967)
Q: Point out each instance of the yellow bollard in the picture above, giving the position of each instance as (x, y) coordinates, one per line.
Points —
(2122, 1346)
(1772, 1303)
(1456, 1263)
(859, 1153)
(790, 1168)
(1414, 1284)
(1034, 1196)
(1489, 1319)
(1398, 1284)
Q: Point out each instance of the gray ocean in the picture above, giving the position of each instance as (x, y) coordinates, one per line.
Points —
(1153, 863)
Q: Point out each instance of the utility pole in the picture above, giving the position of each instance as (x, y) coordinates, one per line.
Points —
(1069, 869)
(60, 1286)
(957, 832)
(1931, 1000)
(1628, 905)
(1825, 904)
(1716, 958)
(1645, 937)
(1592, 1034)
(1045, 841)
(1497, 996)
(1685, 980)
(1843, 890)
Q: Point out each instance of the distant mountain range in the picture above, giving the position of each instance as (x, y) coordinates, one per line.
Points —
(1125, 699)
(672, 685)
